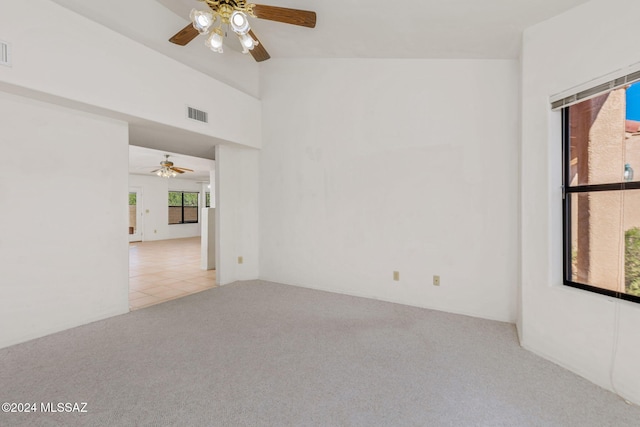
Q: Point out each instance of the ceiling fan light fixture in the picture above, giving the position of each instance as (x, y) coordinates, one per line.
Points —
(239, 22)
(214, 42)
(247, 42)
(202, 20)
(168, 170)
(234, 15)
(165, 172)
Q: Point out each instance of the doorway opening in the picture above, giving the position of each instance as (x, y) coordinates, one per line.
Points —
(135, 215)
(170, 242)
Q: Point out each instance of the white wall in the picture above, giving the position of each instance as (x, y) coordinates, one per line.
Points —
(233, 68)
(375, 166)
(60, 53)
(63, 240)
(575, 328)
(236, 223)
(155, 200)
(85, 65)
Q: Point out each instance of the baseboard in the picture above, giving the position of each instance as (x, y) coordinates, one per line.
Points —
(373, 297)
(63, 327)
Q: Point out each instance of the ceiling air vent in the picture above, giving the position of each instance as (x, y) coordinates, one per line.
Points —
(199, 115)
(5, 58)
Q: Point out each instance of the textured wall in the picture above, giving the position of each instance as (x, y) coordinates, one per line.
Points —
(59, 270)
(375, 166)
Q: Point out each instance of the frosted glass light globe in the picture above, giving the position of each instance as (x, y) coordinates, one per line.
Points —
(214, 42)
(239, 22)
(202, 21)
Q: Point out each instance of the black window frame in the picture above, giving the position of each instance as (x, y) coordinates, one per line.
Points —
(567, 192)
(182, 205)
(207, 199)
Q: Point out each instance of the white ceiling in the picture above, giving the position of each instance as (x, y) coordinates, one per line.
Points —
(345, 29)
(144, 160)
(467, 29)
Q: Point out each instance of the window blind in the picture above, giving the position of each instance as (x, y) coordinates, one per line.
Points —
(596, 90)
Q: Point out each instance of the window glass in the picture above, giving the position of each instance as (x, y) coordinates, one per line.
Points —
(175, 198)
(602, 193)
(598, 136)
(191, 199)
(183, 207)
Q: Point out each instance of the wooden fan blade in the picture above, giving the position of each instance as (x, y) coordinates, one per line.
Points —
(185, 35)
(259, 53)
(154, 171)
(182, 169)
(303, 18)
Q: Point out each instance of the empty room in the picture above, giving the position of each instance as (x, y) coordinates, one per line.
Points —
(425, 217)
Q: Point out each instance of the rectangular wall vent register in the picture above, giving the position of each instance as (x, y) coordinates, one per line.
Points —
(199, 115)
(5, 54)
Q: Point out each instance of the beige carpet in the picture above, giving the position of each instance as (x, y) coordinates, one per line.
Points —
(264, 354)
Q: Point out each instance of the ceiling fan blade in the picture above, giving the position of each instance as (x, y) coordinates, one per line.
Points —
(259, 53)
(182, 169)
(154, 171)
(185, 35)
(176, 170)
(304, 18)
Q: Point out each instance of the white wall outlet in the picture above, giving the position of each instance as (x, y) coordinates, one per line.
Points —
(396, 276)
(436, 280)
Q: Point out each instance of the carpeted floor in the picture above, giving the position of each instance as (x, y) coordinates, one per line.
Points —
(264, 354)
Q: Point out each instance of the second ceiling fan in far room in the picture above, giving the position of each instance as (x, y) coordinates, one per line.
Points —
(168, 170)
(224, 14)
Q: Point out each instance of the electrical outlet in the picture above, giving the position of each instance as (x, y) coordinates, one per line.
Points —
(436, 280)
(396, 276)
(240, 260)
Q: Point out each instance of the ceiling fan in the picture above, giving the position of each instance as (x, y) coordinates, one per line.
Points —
(234, 14)
(168, 170)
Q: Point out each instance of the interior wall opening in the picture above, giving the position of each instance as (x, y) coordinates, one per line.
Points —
(171, 232)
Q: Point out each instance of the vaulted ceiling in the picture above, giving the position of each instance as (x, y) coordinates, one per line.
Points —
(345, 29)
(470, 29)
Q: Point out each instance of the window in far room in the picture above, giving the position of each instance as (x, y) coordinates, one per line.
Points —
(602, 193)
(183, 207)
(207, 196)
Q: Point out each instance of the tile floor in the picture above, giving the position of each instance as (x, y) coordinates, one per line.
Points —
(164, 270)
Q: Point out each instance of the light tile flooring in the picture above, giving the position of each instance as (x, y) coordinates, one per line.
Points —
(164, 270)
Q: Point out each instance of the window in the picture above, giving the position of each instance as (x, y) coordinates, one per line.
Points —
(601, 209)
(183, 207)
(133, 213)
(207, 196)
